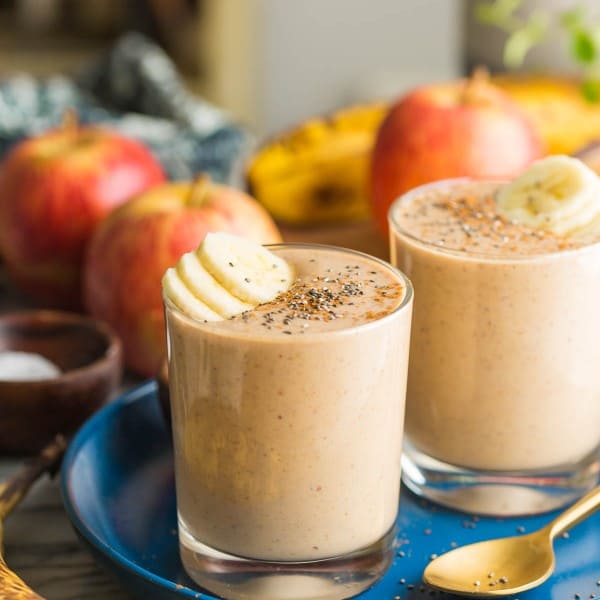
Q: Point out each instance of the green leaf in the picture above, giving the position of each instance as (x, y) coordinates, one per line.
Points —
(500, 13)
(584, 47)
(590, 88)
(573, 19)
(524, 34)
(521, 41)
(538, 24)
(516, 48)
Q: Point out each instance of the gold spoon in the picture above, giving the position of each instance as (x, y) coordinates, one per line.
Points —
(507, 565)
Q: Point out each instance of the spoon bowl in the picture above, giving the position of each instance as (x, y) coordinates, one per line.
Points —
(495, 567)
(508, 565)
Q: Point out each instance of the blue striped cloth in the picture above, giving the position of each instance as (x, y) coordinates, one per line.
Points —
(135, 89)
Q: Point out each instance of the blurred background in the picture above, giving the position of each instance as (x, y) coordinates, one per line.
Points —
(270, 63)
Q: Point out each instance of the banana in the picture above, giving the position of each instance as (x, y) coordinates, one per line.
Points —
(558, 194)
(318, 172)
(203, 285)
(177, 291)
(248, 270)
(226, 276)
(557, 108)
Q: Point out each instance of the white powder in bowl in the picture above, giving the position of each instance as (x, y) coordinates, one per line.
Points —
(26, 366)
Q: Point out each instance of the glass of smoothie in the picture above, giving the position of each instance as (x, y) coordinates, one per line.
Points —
(503, 398)
(287, 423)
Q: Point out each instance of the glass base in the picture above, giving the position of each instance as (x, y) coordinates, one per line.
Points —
(237, 578)
(498, 493)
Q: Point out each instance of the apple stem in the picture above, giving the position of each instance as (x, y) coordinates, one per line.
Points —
(199, 191)
(70, 120)
(479, 77)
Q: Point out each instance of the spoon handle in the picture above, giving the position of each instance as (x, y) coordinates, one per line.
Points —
(583, 508)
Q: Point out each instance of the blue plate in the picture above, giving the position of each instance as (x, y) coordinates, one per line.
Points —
(117, 483)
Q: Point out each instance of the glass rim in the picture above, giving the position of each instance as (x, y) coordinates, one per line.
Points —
(409, 195)
(310, 335)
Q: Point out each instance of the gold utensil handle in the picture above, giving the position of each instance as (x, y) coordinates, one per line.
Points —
(12, 492)
(583, 508)
(13, 587)
(15, 487)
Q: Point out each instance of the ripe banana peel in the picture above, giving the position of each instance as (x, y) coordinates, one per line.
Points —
(565, 120)
(318, 172)
(12, 491)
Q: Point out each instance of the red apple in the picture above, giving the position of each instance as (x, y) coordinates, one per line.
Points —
(132, 249)
(54, 189)
(462, 128)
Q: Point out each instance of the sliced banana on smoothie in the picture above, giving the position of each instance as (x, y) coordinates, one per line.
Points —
(226, 276)
(203, 285)
(177, 291)
(247, 270)
(558, 193)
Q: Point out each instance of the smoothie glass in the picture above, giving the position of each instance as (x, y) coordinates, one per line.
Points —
(503, 397)
(288, 447)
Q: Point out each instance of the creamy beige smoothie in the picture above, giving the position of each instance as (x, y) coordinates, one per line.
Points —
(288, 418)
(505, 354)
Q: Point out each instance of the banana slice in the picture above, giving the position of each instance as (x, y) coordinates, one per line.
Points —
(558, 193)
(244, 268)
(184, 299)
(226, 276)
(204, 286)
(591, 231)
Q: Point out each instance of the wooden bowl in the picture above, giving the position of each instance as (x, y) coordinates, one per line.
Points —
(90, 357)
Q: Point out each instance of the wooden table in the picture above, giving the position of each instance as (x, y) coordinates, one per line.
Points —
(40, 544)
(42, 548)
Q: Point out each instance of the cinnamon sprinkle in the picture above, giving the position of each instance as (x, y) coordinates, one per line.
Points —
(469, 221)
(327, 298)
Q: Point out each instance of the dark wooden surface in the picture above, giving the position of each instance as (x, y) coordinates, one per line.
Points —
(42, 549)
